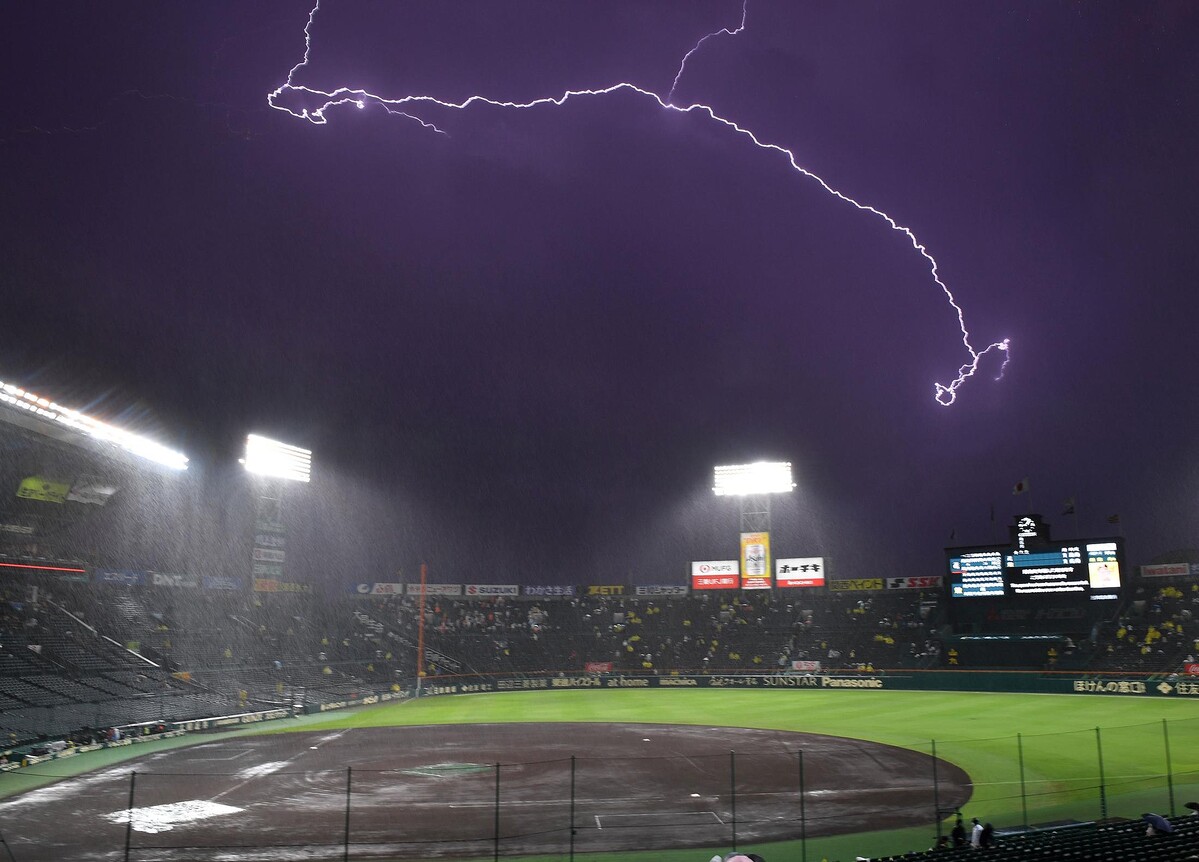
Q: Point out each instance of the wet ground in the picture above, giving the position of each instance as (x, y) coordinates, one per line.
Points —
(422, 792)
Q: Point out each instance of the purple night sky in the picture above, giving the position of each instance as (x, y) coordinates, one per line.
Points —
(518, 348)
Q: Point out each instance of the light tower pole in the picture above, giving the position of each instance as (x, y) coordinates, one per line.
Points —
(274, 464)
(754, 484)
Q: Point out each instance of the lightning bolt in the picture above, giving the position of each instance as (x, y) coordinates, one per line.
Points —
(403, 106)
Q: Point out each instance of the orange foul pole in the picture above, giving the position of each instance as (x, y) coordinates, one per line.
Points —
(420, 635)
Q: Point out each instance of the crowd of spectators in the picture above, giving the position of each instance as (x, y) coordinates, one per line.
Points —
(87, 642)
(1156, 630)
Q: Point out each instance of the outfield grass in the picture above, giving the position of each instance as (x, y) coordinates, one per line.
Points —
(976, 731)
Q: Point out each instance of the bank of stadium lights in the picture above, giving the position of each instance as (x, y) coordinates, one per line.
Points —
(267, 457)
(51, 411)
(762, 477)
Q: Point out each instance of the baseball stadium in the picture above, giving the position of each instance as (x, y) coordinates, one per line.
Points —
(1034, 698)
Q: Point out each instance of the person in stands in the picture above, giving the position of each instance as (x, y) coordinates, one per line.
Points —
(959, 832)
(1155, 824)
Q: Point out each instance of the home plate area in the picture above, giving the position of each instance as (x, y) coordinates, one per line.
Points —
(458, 791)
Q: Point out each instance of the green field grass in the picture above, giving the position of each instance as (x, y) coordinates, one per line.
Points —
(976, 731)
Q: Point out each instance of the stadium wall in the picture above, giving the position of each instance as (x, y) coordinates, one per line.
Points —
(976, 681)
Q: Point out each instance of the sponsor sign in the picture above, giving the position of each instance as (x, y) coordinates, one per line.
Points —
(488, 590)
(221, 582)
(924, 582)
(165, 579)
(1166, 570)
(90, 490)
(1192, 668)
(550, 590)
(755, 561)
(434, 589)
(271, 585)
(674, 590)
(856, 584)
(716, 567)
(41, 488)
(604, 590)
(716, 575)
(266, 560)
(121, 577)
(381, 589)
(598, 667)
(806, 665)
(715, 582)
(1099, 686)
(1186, 689)
(799, 572)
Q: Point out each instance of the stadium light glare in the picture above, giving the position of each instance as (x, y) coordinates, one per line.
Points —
(761, 477)
(267, 457)
(51, 411)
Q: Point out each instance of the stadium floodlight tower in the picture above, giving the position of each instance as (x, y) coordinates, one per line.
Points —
(278, 460)
(754, 484)
(279, 464)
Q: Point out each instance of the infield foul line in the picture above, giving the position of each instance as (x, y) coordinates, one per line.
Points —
(666, 818)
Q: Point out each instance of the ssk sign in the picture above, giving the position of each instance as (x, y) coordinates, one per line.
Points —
(927, 582)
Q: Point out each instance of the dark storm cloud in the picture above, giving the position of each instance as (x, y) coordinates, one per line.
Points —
(521, 346)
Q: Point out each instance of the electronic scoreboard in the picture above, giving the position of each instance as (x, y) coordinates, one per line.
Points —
(1035, 571)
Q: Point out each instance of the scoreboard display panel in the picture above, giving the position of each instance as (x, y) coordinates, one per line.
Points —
(1034, 576)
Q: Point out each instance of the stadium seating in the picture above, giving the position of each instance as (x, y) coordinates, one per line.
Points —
(1112, 841)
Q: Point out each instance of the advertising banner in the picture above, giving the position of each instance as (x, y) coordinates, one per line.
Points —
(716, 567)
(120, 577)
(604, 590)
(799, 572)
(381, 589)
(923, 582)
(811, 666)
(434, 589)
(221, 582)
(166, 579)
(551, 591)
(668, 590)
(755, 561)
(715, 575)
(271, 585)
(715, 582)
(270, 538)
(92, 491)
(492, 590)
(40, 488)
(598, 667)
(1192, 668)
(1166, 570)
(856, 584)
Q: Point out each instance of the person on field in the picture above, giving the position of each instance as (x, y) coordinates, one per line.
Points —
(976, 834)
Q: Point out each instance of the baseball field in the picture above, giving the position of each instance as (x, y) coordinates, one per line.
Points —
(606, 775)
